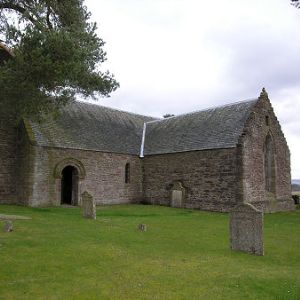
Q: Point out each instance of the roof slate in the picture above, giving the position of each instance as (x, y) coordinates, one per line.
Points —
(213, 128)
(93, 127)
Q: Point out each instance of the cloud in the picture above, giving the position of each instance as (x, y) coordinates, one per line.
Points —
(175, 56)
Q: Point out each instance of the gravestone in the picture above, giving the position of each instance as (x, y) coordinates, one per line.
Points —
(8, 226)
(88, 206)
(142, 227)
(246, 229)
(177, 194)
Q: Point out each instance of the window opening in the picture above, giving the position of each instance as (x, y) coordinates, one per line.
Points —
(127, 173)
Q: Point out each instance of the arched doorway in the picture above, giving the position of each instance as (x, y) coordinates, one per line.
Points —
(269, 165)
(68, 172)
(69, 186)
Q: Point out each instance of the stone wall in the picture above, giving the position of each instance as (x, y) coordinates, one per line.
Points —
(261, 123)
(25, 165)
(101, 174)
(212, 179)
(209, 177)
(8, 136)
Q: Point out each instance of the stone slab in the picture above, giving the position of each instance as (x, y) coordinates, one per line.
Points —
(13, 217)
(8, 226)
(88, 206)
(177, 194)
(246, 229)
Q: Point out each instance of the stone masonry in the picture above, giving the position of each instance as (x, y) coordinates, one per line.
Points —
(261, 123)
(8, 140)
(209, 178)
(104, 176)
(238, 155)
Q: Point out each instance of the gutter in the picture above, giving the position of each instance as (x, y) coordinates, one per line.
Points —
(143, 141)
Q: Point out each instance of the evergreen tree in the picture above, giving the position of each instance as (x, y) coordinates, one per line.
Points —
(296, 3)
(56, 55)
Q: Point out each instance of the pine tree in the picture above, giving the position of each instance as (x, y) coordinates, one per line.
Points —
(56, 55)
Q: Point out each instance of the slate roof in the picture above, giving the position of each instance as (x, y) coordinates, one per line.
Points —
(213, 128)
(93, 127)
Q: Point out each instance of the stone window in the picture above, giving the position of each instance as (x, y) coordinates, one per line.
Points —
(267, 118)
(269, 165)
(127, 173)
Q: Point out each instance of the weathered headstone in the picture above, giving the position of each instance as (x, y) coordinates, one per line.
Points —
(246, 229)
(8, 226)
(13, 217)
(142, 227)
(88, 206)
(177, 194)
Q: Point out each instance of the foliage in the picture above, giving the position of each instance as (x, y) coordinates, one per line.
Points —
(168, 115)
(295, 187)
(184, 254)
(56, 55)
(296, 199)
(296, 3)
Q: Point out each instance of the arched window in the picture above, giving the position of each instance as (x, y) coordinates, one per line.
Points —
(127, 173)
(269, 165)
(267, 119)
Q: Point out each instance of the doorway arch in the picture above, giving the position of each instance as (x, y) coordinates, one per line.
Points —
(69, 174)
(69, 186)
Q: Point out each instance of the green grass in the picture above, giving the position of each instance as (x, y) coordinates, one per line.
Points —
(183, 255)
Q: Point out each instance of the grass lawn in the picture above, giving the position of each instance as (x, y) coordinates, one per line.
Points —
(183, 255)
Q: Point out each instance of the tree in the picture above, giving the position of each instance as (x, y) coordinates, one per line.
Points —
(56, 55)
(168, 115)
(296, 3)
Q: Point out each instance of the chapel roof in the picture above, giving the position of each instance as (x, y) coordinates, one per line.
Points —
(213, 128)
(93, 127)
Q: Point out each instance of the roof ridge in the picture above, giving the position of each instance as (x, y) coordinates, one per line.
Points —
(113, 109)
(205, 109)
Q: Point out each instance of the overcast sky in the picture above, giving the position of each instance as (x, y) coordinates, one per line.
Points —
(177, 56)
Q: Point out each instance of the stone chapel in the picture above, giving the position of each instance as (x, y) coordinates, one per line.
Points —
(211, 159)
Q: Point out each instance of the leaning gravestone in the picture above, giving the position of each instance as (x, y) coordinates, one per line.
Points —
(246, 229)
(142, 227)
(88, 206)
(8, 226)
(177, 194)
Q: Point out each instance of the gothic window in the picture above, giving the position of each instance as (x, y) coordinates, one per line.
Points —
(127, 173)
(267, 120)
(269, 165)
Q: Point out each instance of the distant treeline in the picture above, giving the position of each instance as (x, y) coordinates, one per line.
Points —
(295, 187)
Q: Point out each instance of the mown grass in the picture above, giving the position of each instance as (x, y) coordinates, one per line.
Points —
(183, 255)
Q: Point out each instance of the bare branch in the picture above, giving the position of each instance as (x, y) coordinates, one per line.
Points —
(17, 8)
(48, 17)
(296, 3)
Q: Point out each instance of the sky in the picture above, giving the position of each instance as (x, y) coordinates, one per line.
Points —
(178, 56)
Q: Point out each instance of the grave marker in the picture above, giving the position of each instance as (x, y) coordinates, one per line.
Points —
(246, 229)
(88, 206)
